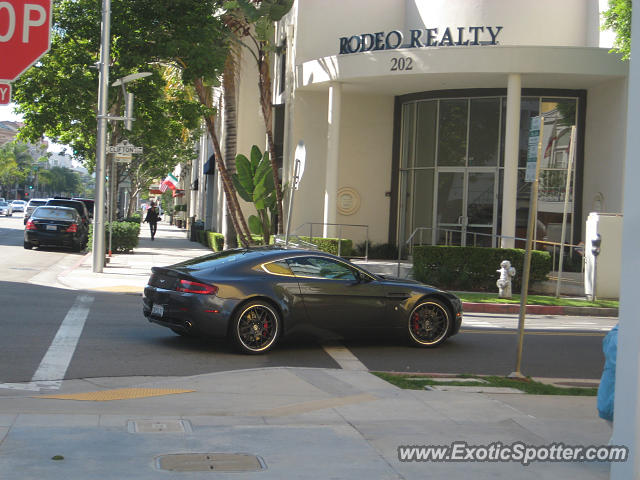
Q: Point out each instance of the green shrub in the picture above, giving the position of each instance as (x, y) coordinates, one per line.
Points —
(215, 240)
(474, 268)
(202, 238)
(377, 251)
(330, 245)
(257, 240)
(135, 218)
(124, 236)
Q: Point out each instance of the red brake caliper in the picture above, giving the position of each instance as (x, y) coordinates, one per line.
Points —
(265, 328)
(416, 322)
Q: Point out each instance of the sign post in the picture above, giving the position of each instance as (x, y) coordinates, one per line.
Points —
(25, 27)
(533, 172)
(124, 152)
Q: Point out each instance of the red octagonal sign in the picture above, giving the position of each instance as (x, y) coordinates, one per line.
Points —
(24, 35)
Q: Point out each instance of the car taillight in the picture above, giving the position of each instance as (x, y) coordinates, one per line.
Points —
(72, 228)
(188, 286)
(30, 225)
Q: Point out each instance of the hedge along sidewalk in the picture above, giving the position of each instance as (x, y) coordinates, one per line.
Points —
(466, 268)
(124, 236)
(215, 241)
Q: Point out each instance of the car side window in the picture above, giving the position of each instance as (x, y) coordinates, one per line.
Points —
(279, 267)
(319, 267)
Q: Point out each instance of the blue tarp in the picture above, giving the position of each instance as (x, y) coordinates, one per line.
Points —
(606, 390)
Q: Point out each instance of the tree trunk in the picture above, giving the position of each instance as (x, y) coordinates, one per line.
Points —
(237, 217)
(264, 85)
(230, 138)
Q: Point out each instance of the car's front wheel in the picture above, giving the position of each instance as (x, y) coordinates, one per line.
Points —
(429, 323)
(255, 327)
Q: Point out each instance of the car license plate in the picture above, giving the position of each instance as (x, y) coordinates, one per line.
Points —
(157, 310)
(51, 227)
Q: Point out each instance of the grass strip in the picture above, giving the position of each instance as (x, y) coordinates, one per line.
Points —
(527, 385)
(476, 297)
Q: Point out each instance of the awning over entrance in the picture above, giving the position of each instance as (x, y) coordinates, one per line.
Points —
(210, 166)
(462, 67)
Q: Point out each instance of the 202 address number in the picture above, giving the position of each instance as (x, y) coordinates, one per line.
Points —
(401, 64)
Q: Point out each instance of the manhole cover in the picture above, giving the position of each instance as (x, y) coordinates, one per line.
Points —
(162, 426)
(204, 462)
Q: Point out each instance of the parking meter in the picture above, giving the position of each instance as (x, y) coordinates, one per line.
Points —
(595, 244)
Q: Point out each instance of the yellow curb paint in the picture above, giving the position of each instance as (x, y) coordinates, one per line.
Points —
(117, 394)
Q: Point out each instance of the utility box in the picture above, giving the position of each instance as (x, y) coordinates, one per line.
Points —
(603, 255)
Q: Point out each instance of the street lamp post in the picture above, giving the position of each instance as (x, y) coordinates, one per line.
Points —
(101, 140)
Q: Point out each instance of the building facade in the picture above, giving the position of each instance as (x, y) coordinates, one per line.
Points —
(415, 115)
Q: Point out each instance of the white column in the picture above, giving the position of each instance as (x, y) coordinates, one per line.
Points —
(333, 147)
(626, 423)
(511, 147)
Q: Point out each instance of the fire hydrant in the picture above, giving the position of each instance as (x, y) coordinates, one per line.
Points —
(504, 282)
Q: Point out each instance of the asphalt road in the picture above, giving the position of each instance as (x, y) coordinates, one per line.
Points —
(116, 340)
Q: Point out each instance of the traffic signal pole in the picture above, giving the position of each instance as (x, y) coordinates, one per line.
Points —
(101, 140)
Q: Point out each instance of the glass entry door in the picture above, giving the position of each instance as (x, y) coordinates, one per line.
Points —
(466, 207)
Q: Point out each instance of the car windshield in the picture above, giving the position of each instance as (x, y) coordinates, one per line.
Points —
(4, 204)
(35, 203)
(54, 213)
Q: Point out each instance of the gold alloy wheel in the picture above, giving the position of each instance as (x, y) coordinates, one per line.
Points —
(429, 323)
(257, 327)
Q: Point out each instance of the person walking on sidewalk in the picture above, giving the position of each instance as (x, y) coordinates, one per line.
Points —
(152, 219)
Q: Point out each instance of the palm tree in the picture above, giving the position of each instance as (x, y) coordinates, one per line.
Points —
(230, 129)
(252, 27)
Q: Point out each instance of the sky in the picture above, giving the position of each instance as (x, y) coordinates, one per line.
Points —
(6, 114)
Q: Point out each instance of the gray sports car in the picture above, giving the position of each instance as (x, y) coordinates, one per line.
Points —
(254, 296)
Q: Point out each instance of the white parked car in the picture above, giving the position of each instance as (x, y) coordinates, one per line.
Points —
(6, 209)
(32, 205)
(18, 205)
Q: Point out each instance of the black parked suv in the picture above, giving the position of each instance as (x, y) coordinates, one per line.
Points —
(76, 204)
(88, 202)
(57, 226)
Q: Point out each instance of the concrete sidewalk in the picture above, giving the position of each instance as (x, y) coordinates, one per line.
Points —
(128, 273)
(269, 423)
(299, 423)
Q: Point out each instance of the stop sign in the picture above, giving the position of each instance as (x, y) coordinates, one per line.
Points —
(24, 35)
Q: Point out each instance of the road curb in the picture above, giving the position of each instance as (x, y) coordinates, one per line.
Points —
(508, 308)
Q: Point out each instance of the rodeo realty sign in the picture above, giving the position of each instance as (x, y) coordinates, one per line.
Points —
(428, 37)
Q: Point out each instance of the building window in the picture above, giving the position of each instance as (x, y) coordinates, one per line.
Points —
(451, 162)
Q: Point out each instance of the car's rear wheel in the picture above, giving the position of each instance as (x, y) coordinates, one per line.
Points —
(28, 245)
(429, 323)
(255, 327)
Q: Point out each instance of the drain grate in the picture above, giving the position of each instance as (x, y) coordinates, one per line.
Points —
(205, 462)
